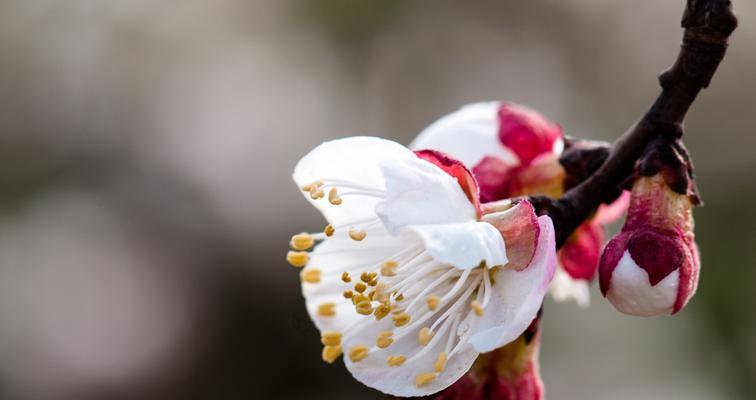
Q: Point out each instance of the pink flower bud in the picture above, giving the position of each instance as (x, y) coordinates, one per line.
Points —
(651, 267)
(527, 133)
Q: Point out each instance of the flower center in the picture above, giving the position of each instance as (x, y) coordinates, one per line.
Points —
(384, 276)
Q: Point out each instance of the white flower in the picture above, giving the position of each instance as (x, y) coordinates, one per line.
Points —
(413, 278)
(513, 151)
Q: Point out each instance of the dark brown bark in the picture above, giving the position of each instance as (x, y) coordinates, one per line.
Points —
(708, 25)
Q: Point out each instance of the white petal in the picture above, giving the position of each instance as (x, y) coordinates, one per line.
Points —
(400, 381)
(631, 291)
(336, 255)
(419, 193)
(469, 134)
(517, 296)
(464, 244)
(566, 288)
(353, 159)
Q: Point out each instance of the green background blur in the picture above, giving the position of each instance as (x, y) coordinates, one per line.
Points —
(146, 200)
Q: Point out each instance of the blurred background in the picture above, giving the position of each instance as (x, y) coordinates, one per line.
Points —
(146, 201)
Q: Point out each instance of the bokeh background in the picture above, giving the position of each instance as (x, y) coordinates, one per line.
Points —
(146, 203)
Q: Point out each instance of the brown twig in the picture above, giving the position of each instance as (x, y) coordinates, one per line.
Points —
(708, 25)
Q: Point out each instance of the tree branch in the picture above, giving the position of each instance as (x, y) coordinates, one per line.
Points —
(708, 25)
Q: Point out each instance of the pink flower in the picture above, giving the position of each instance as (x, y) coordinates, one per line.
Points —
(514, 151)
(652, 266)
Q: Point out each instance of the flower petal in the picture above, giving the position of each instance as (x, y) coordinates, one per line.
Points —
(468, 134)
(456, 169)
(400, 380)
(520, 229)
(516, 296)
(354, 159)
(418, 193)
(580, 254)
(566, 288)
(463, 245)
(527, 133)
(608, 213)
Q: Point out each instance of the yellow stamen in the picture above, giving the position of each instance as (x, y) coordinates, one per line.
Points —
(316, 193)
(424, 378)
(424, 336)
(345, 277)
(327, 309)
(399, 298)
(330, 338)
(348, 294)
(373, 282)
(357, 235)
(302, 241)
(360, 287)
(359, 298)
(440, 363)
(297, 258)
(365, 277)
(371, 294)
(358, 353)
(477, 308)
(310, 275)
(329, 230)
(331, 353)
(401, 319)
(395, 361)
(388, 268)
(316, 184)
(380, 293)
(432, 302)
(364, 308)
(384, 339)
(333, 197)
(382, 311)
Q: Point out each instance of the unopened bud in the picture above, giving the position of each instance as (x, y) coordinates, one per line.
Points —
(651, 268)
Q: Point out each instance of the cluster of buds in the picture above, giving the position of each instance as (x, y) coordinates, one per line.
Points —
(651, 267)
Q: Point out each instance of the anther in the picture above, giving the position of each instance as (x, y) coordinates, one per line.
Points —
(395, 361)
(371, 295)
(345, 277)
(424, 336)
(477, 308)
(373, 282)
(297, 258)
(348, 294)
(327, 309)
(382, 311)
(359, 298)
(440, 362)
(365, 277)
(388, 268)
(432, 302)
(401, 319)
(333, 197)
(400, 297)
(358, 353)
(329, 230)
(331, 353)
(302, 241)
(310, 275)
(384, 339)
(360, 287)
(364, 308)
(316, 184)
(424, 378)
(316, 193)
(330, 338)
(357, 235)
